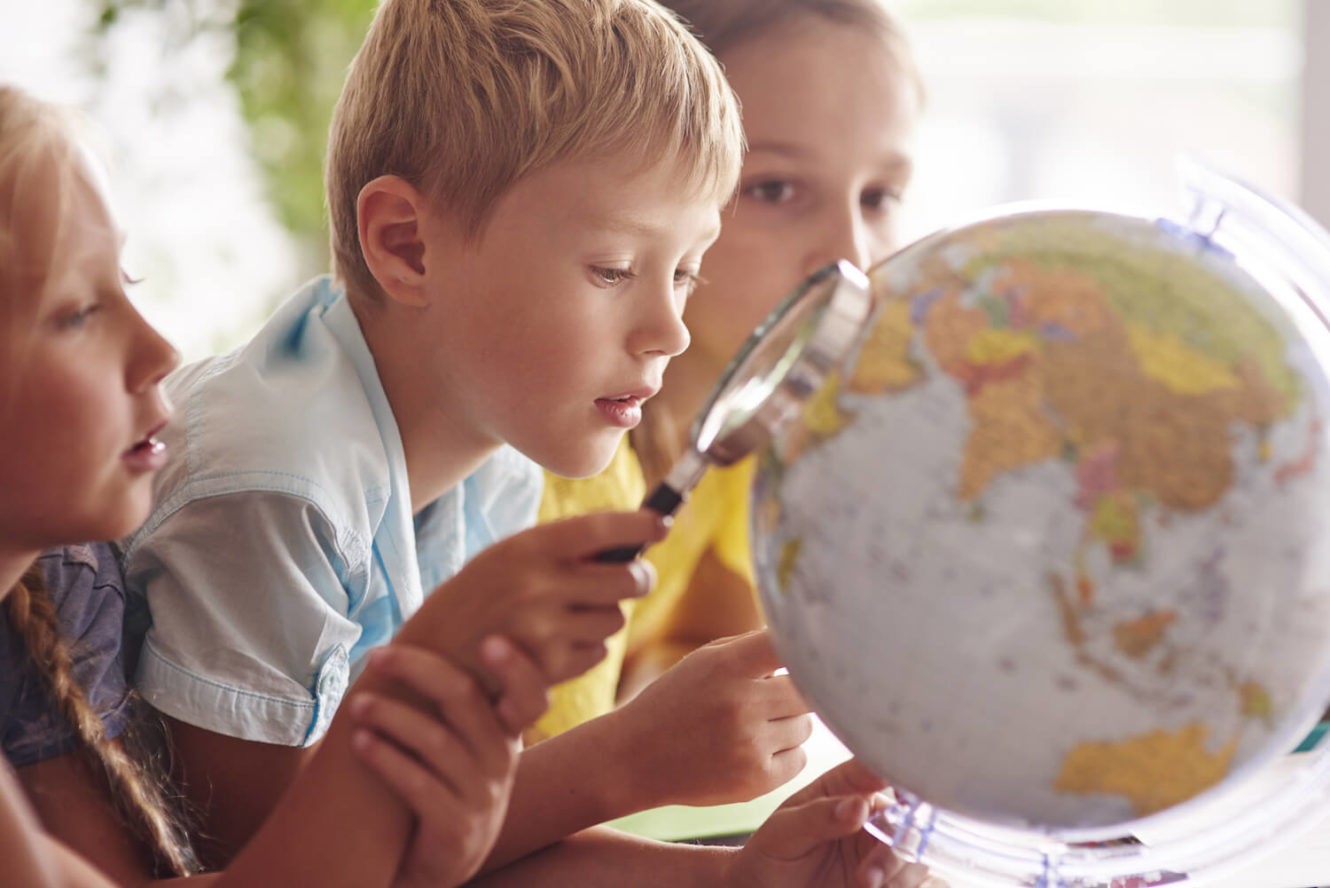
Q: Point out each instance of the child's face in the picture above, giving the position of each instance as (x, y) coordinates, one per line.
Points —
(556, 324)
(829, 117)
(79, 400)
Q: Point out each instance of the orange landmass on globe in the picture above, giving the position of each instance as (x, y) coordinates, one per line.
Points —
(1153, 771)
(1138, 637)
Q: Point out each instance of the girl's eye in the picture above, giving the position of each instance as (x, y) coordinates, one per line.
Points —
(76, 318)
(611, 276)
(879, 198)
(773, 191)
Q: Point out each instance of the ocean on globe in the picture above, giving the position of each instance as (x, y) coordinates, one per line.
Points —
(1051, 548)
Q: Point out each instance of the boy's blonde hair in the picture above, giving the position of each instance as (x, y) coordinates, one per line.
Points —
(462, 98)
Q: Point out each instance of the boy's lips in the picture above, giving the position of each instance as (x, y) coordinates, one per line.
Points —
(625, 410)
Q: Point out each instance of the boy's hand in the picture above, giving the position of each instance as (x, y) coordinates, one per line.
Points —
(452, 762)
(717, 727)
(816, 839)
(544, 589)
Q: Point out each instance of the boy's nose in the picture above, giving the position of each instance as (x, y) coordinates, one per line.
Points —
(662, 331)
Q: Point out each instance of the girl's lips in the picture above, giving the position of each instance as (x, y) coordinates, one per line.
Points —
(149, 455)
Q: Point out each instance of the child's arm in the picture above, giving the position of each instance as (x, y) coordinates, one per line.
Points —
(457, 782)
(814, 840)
(30, 858)
(719, 727)
(544, 589)
(74, 803)
(347, 817)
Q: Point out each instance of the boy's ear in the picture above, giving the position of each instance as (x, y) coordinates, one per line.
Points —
(390, 217)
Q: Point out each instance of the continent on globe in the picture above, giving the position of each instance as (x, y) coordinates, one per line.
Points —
(1047, 549)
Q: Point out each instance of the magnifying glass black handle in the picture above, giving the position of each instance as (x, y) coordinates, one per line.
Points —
(665, 500)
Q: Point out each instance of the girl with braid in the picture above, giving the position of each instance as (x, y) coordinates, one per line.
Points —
(81, 405)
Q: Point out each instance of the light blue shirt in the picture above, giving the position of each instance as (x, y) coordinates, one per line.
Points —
(282, 545)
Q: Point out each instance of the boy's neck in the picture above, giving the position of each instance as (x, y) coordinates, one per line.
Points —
(440, 452)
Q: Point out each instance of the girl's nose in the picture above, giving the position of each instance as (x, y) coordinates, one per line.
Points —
(152, 357)
(844, 234)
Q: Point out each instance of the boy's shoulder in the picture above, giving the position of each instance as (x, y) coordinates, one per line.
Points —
(297, 410)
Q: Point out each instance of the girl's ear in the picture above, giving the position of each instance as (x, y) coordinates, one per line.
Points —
(390, 215)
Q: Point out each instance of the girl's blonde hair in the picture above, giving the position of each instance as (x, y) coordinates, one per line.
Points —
(462, 98)
(36, 137)
(724, 24)
(140, 798)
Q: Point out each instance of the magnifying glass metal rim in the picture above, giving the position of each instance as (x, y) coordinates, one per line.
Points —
(820, 344)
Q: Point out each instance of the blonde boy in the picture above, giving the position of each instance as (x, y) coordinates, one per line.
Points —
(520, 192)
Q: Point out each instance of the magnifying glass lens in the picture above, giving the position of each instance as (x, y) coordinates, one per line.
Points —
(767, 382)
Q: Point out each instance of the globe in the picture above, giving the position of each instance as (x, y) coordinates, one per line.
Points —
(1049, 549)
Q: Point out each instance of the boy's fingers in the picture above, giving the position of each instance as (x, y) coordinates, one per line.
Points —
(415, 783)
(525, 694)
(453, 696)
(584, 537)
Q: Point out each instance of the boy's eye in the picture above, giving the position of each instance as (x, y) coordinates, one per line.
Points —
(686, 279)
(611, 276)
(773, 191)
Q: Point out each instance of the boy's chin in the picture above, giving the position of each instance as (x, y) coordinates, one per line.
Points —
(591, 460)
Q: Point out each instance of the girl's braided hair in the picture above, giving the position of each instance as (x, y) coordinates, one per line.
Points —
(140, 798)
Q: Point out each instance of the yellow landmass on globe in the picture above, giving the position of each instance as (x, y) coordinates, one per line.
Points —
(1153, 771)
(884, 359)
(999, 346)
(1181, 369)
(789, 557)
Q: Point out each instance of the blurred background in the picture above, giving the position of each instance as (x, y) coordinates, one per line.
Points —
(212, 115)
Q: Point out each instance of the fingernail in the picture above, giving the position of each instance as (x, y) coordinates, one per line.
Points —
(359, 705)
(641, 578)
(665, 522)
(875, 876)
(850, 810)
(377, 656)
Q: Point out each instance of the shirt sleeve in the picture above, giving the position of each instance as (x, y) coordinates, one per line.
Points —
(86, 589)
(249, 598)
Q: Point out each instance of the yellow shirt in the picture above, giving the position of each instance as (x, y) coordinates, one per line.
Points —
(620, 487)
(715, 517)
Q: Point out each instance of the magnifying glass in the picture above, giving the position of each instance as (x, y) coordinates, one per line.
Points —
(783, 362)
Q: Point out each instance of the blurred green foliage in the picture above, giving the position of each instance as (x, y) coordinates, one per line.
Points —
(290, 58)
